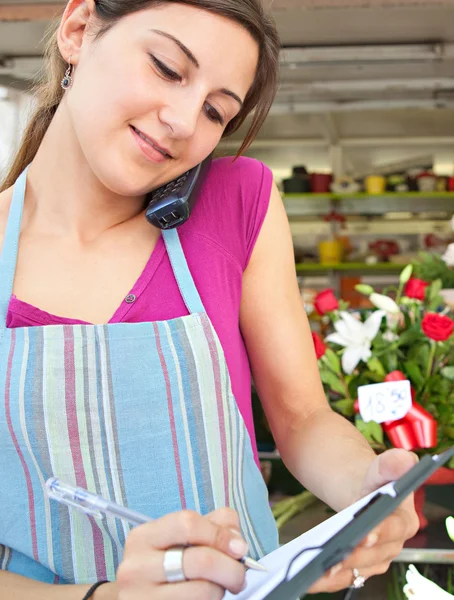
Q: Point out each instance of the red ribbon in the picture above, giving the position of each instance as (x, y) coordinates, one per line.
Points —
(418, 429)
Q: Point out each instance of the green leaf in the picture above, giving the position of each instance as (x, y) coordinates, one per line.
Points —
(413, 371)
(333, 360)
(433, 289)
(406, 274)
(332, 381)
(372, 431)
(451, 463)
(365, 289)
(410, 336)
(435, 303)
(375, 366)
(448, 372)
(345, 407)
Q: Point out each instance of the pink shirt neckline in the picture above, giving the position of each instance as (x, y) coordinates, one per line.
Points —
(42, 317)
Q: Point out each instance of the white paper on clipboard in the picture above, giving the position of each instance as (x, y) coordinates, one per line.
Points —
(260, 584)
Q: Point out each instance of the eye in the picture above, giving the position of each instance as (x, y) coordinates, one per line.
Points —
(165, 70)
(213, 114)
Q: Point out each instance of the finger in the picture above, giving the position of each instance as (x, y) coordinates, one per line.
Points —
(387, 467)
(199, 563)
(225, 517)
(201, 590)
(401, 525)
(344, 578)
(362, 558)
(184, 528)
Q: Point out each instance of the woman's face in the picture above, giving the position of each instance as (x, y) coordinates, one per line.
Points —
(173, 74)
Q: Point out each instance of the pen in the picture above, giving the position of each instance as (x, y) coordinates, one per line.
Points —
(94, 505)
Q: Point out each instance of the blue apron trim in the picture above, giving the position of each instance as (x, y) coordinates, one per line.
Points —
(182, 273)
(8, 257)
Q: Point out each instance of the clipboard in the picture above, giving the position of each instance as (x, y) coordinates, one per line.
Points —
(342, 543)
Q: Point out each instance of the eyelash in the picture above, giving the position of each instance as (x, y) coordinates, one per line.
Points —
(173, 76)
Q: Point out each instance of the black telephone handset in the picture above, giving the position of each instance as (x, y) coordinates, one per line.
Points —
(171, 205)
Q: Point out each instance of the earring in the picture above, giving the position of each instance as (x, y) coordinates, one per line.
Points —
(67, 80)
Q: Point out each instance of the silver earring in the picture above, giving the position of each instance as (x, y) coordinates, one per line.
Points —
(67, 80)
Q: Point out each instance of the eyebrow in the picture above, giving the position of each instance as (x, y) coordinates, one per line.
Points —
(195, 62)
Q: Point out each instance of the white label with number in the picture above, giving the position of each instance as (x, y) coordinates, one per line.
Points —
(388, 401)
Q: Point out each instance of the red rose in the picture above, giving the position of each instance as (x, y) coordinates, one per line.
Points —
(395, 376)
(437, 327)
(325, 301)
(320, 347)
(415, 288)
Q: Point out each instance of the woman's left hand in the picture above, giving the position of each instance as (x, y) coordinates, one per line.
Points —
(375, 554)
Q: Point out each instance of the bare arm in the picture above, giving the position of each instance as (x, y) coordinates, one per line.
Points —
(313, 440)
(15, 587)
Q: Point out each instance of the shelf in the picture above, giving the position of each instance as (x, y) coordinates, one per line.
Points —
(365, 204)
(364, 196)
(362, 267)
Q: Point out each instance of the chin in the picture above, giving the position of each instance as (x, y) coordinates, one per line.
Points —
(124, 180)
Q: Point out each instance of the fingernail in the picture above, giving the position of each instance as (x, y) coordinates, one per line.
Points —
(238, 547)
(371, 540)
(335, 570)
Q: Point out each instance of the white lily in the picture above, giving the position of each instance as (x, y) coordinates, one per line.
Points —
(356, 337)
(384, 303)
(448, 256)
(419, 587)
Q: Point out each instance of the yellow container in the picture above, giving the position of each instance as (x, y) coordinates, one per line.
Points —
(331, 252)
(375, 184)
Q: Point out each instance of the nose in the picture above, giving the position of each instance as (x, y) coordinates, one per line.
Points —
(181, 115)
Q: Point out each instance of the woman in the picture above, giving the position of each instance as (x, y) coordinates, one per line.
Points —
(135, 401)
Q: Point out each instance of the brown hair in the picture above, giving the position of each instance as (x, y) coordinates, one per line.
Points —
(248, 13)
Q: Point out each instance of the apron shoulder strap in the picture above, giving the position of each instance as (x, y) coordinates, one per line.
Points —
(8, 256)
(181, 271)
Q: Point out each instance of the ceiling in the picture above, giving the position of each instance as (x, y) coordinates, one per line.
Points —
(373, 78)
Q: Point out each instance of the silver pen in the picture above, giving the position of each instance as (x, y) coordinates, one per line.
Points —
(92, 504)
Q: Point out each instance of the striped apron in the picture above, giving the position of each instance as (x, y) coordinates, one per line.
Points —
(141, 413)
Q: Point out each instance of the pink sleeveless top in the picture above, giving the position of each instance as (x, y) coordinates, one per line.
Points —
(217, 240)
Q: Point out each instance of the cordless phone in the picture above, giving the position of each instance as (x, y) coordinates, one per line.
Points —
(171, 204)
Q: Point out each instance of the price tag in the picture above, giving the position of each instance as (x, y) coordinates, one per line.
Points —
(388, 401)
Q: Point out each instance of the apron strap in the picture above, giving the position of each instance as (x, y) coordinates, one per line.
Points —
(8, 257)
(181, 271)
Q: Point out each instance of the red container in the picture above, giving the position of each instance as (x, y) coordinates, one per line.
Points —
(320, 183)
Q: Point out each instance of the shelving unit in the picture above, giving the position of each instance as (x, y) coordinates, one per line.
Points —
(366, 204)
(346, 267)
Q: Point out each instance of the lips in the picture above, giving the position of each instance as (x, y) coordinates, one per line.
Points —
(152, 142)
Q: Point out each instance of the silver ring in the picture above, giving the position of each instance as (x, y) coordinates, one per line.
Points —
(173, 565)
(358, 581)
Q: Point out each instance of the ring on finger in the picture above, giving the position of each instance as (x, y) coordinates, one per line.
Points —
(358, 580)
(173, 565)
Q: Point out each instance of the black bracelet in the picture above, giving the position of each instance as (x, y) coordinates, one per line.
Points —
(94, 587)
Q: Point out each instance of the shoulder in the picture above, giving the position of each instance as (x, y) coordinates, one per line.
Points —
(232, 205)
(5, 202)
(233, 171)
(237, 184)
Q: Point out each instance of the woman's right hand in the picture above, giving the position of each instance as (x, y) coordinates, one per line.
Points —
(210, 564)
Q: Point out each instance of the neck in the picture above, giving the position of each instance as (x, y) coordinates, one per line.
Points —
(65, 196)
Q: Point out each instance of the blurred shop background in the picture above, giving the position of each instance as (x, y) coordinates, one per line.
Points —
(360, 138)
(361, 143)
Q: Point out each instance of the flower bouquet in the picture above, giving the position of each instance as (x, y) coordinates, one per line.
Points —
(407, 334)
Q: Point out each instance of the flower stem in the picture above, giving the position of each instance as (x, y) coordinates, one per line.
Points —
(431, 359)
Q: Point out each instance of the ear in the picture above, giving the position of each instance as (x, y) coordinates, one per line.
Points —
(75, 22)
